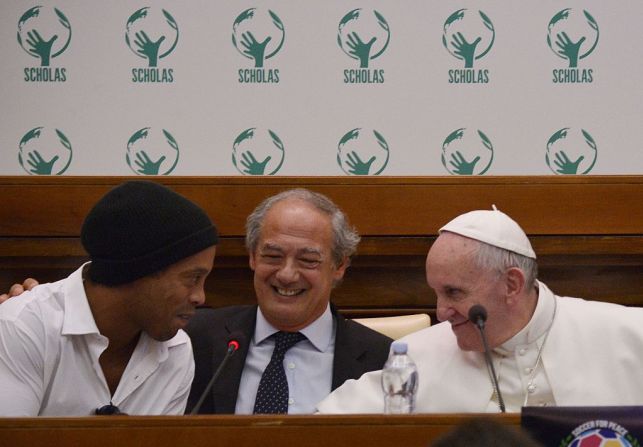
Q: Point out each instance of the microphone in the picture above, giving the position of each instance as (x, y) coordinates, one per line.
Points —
(478, 316)
(234, 341)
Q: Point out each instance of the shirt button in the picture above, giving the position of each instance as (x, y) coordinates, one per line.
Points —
(291, 365)
(528, 370)
(531, 389)
(523, 351)
(291, 401)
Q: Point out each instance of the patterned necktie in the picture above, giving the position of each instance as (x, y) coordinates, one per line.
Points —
(272, 394)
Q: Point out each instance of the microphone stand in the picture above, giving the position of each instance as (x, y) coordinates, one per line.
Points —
(492, 371)
(232, 348)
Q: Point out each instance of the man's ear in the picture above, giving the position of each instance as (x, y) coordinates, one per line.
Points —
(251, 261)
(515, 283)
(341, 269)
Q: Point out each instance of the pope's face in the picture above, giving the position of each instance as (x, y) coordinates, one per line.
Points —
(294, 271)
(459, 284)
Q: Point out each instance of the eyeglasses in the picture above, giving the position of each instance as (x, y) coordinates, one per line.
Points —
(109, 410)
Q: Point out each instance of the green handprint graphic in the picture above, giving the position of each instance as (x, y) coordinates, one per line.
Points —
(569, 49)
(461, 166)
(467, 152)
(40, 47)
(565, 165)
(359, 49)
(253, 48)
(258, 152)
(38, 165)
(251, 165)
(464, 49)
(148, 48)
(146, 165)
(356, 165)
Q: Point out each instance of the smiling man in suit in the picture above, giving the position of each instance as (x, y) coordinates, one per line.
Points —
(297, 348)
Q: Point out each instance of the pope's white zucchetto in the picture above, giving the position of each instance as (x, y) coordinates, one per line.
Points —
(494, 228)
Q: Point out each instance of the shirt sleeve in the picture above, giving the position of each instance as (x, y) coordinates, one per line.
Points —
(21, 366)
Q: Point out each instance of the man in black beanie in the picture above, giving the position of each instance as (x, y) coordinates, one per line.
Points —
(108, 338)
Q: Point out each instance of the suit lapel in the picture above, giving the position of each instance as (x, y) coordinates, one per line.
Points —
(225, 390)
(348, 355)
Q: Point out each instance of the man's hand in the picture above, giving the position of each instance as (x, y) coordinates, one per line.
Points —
(17, 289)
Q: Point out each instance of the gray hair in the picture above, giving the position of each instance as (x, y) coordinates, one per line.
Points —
(497, 259)
(345, 237)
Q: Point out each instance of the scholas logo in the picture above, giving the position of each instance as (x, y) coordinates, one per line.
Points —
(152, 152)
(152, 34)
(362, 152)
(44, 33)
(258, 152)
(44, 151)
(571, 151)
(468, 36)
(363, 36)
(258, 35)
(599, 433)
(467, 152)
(572, 35)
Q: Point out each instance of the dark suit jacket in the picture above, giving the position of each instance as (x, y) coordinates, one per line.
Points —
(358, 350)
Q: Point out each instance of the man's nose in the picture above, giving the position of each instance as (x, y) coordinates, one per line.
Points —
(197, 297)
(288, 272)
(444, 311)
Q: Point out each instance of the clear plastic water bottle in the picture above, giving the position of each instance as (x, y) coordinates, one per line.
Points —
(399, 381)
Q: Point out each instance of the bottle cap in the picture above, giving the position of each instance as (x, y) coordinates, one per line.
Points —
(399, 347)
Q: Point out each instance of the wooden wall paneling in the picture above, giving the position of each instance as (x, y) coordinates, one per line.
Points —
(587, 231)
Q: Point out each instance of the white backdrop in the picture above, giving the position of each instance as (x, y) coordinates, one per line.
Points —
(163, 87)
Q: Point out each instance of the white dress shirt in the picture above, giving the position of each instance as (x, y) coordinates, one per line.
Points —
(49, 352)
(308, 365)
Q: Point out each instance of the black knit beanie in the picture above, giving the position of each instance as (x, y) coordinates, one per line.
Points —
(141, 227)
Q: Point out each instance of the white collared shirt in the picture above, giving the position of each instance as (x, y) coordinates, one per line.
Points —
(308, 365)
(49, 352)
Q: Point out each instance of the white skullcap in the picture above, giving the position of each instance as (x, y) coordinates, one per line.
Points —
(494, 228)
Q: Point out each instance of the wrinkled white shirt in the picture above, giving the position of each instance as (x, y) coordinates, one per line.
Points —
(49, 351)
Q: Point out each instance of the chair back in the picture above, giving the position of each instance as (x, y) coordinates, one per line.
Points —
(396, 327)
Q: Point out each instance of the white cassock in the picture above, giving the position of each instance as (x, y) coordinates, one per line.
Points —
(592, 356)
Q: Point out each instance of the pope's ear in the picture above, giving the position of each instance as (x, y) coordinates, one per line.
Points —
(515, 282)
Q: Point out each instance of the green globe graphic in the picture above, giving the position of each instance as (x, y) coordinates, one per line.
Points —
(468, 35)
(363, 35)
(151, 34)
(362, 152)
(572, 35)
(152, 152)
(467, 152)
(258, 152)
(44, 151)
(571, 151)
(258, 34)
(44, 32)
